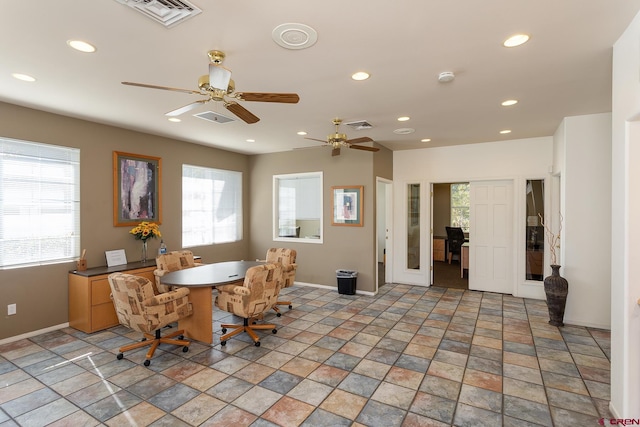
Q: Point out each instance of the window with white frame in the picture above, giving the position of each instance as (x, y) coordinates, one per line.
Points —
(39, 203)
(460, 201)
(211, 206)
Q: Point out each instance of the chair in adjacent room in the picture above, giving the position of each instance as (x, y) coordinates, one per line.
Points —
(455, 239)
(172, 261)
(257, 294)
(139, 308)
(287, 258)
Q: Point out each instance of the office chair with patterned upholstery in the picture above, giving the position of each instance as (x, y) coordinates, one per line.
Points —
(139, 308)
(257, 294)
(287, 258)
(172, 261)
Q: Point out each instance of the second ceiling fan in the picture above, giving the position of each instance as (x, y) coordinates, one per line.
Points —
(218, 86)
(338, 140)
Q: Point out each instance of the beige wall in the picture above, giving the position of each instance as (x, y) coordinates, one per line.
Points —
(41, 292)
(350, 248)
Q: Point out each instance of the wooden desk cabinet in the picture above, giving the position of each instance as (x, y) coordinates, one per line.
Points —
(439, 248)
(90, 305)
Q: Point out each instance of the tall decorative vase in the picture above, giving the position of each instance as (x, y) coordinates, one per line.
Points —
(144, 251)
(556, 289)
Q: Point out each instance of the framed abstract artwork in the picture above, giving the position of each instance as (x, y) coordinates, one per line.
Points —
(347, 205)
(137, 189)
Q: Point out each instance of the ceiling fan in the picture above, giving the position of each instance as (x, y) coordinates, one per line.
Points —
(338, 140)
(218, 86)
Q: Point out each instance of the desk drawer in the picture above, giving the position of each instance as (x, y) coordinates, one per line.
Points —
(100, 292)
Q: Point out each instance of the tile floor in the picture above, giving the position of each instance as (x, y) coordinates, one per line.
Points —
(410, 356)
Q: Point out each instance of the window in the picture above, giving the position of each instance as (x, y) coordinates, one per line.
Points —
(298, 207)
(211, 206)
(39, 203)
(460, 206)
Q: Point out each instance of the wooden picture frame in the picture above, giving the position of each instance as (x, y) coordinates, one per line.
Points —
(347, 205)
(137, 189)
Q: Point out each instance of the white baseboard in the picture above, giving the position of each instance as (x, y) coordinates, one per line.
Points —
(331, 288)
(615, 413)
(33, 333)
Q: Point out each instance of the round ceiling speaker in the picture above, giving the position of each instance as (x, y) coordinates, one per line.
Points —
(446, 76)
(294, 36)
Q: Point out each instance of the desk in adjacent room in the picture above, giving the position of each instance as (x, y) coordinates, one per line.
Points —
(464, 258)
(201, 280)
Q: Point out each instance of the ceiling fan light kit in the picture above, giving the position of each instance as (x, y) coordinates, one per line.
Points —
(218, 86)
(338, 140)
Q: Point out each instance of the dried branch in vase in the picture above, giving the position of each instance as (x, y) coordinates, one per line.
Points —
(552, 238)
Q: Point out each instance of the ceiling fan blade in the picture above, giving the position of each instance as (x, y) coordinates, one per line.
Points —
(335, 152)
(314, 139)
(186, 108)
(244, 114)
(195, 92)
(289, 98)
(359, 140)
(365, 148)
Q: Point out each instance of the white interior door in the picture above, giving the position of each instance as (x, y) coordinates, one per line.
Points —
(491, 237)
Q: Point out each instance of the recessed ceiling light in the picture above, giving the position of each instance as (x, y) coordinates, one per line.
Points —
(509, 102)
(251, 140)
(360, 75)
(174, 119)
(505, 131)
(23, 77)
(516, 40)
(302, 133)
(425, 140)
(403, 118)
(81, 46)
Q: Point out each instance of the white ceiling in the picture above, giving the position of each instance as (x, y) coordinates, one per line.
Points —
(564, 70)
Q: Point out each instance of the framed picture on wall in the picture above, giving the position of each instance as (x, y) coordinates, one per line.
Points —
(136, 189)
(347, 206)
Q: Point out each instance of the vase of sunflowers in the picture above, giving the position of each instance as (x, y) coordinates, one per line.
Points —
(144, 231)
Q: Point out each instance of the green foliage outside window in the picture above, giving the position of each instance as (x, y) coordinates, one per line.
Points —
(460, 206)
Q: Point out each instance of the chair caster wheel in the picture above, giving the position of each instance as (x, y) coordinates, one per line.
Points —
(278, 314)
(224, 330)
(257, 344)
(223, 343)
(143, 339)
(185, 349)
(290, 307)
(147, 362)
(119, 356)
(180, 337)
(274, 330)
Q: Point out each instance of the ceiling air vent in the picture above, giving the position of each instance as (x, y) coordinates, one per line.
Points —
(166, 12)
(360, 125)
(214, 117)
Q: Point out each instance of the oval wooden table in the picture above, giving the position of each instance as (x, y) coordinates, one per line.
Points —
(201, 281)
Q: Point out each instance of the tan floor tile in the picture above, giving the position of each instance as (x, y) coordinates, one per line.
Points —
(394, 395)
(254, 373)
(342, 333)
(404, 377)
(519, 338)
(343, 403)
(328, 375)
(372, 369)
(420, 351)
(300, 367)
(275, 359)
(20, 389)
(143, 413)
(205, 379)
(354, 349)
(199, 409)
(288, 412)
(520, 359)
(487, 342)
(446, 370)
(183, 370)
(483, 380)
(524, 390)
(426, 341)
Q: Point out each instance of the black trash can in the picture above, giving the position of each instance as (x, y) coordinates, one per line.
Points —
(347, 281)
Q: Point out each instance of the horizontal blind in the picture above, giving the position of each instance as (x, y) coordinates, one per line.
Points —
(39, 203)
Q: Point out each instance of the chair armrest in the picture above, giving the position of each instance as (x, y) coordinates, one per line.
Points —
(159, 273)
(166, 297)
(289, 267)
(241, 290)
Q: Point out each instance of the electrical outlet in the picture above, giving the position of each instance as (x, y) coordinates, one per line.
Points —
(11, 309)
